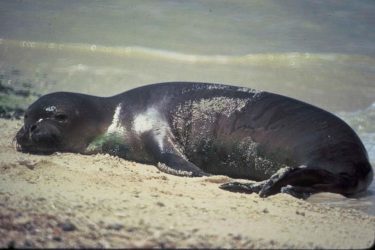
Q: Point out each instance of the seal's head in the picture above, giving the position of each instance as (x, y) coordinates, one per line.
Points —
(61, 121)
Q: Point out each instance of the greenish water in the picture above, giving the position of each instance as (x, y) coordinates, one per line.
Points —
(322, 52)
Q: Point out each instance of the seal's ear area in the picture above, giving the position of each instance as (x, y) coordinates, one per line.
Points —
(61, 117)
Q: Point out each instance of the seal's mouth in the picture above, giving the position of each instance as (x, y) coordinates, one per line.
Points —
(35, 150)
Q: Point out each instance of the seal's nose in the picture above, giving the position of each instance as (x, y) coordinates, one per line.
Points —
(36, 130)
(22, 137)
(35, 127)
(32, 128)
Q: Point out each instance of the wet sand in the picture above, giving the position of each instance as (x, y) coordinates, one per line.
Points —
(72, 200)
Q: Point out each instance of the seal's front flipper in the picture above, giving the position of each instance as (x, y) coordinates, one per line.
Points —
(174, 164)
(243, 187)
(168, 156)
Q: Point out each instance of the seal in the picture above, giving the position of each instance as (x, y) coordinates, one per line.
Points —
(198, 129)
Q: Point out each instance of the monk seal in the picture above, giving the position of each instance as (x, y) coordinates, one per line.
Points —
(198, 129)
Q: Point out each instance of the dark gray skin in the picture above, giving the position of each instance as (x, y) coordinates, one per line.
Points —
(197, 129)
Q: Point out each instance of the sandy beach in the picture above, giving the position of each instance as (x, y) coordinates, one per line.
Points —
(320, 52)
(71, 200)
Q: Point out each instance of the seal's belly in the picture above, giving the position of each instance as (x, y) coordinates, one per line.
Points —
(238, 158)
(206, 130)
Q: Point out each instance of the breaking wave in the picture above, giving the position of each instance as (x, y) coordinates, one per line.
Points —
(363, 122)
(288, 59)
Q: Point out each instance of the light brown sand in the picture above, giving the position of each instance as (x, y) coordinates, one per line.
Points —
(72, 200)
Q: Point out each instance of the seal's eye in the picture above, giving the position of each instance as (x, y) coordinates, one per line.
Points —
(61, 117)
(26, 116)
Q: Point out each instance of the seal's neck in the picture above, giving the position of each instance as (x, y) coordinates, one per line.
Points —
(110, 110)
(116, 125)
(111, 128)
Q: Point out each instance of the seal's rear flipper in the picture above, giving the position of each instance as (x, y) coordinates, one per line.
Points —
(258, 186)
(299, 182)
(298, 192)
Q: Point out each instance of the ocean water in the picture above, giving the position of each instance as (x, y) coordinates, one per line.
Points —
(321, 52)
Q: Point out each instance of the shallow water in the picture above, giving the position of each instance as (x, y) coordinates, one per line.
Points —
(363, 122)
(303, 49)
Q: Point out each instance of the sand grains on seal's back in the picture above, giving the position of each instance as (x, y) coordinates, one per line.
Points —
(202, 111)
